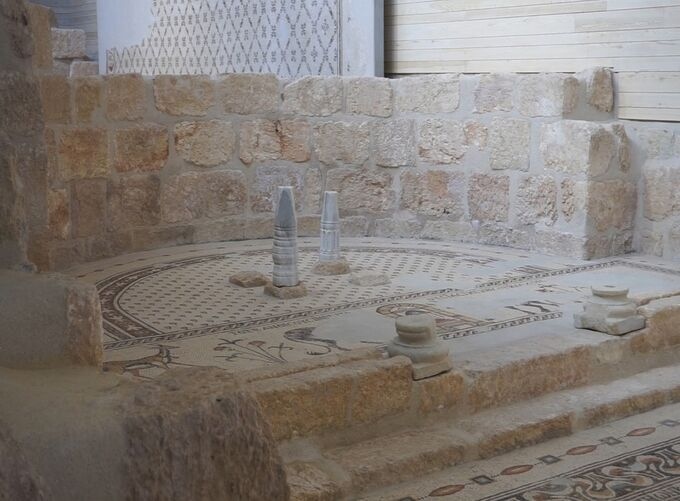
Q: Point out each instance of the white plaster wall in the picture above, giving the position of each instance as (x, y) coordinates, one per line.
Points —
(362, 29)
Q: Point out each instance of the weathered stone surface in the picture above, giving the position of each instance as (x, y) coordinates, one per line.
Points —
(309, 483)
(369, 96)
(262, 140)
(68, 43)
(573, 198)
(84, 329)
(16, 32)
(59, 213)
(397, 227)
(153, 238)
(88, 207)
(141, 148)
(342, 142)
(448, 230)
(367, 278)
(547, 95)
(214, 231)
(183, 94)
(83, 152)
(286, 292)
(440, 392)
(87, 95)
(22, 112)
(354, 226)
(611, 204)
(394, 143)
(83, 69)
(624, 146)
(609, 310)
(476, 134)
(134, 201)
(248, 279)
(674, 240)
(434, 193)
(206, 143)
(651, 243)
(249, 93)
(383, 388)
(313, 96)
(509, 140)
(656, 143)
(578, 147)
(19, 480)
(489, 197)
(428, 93)
(361, 190)
(197, 195)
(494, 92)
(124, 96)
(441, 141)
(659, 181)
(55, 95)
(599, 88)
(41, 19)
(537, 200)
(330, 268)
(493, 233)
(306, 183)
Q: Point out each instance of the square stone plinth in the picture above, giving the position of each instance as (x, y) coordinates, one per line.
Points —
(248, 279)
(335, 267)
(293, 292)
(429, 369)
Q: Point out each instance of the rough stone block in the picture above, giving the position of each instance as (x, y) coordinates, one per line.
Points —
(68, 43)
(611, 204)
(156, 237)
(433, 193)
(509, 140)
(342, 142)
(656, 143)
(262, 140)
(489, 197)
(401, 227)
(141, 148)
(651, 243)
(361, 190)
(476, 134)
(494, 92)
(197, 195)
(88, 207)
(659, 192)
(183, 95)
(537, 200)
(22, 113)
(306, 183)
(313, 96)
(367, 278)
(208, 143)
(83, 69)
(41, 19)
(573, 198)
(354, 226)
(249, 93)
(134, 201)
(55, 95)
(308, 483)
(87, 97)
(125, 97)
(428, 93)
(599, 88)
(578, 147)
(369, 96)
(83, 152)
(547, 95)
(248, 279)
(394, 143)
(59, 214)
(440, 392)
(285, 292)
(441, 141)
(448, 230)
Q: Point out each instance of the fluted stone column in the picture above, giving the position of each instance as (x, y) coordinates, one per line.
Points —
(330, 260)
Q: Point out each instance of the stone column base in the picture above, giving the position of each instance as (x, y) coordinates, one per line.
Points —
(335, 267)
(293, 292)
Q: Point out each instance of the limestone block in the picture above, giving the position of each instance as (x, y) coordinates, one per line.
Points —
(494, 92)
(206, 143)
(537, 200)
(609, 310)
(369, 96)
(83, 152)
(355, 226)
(394, 143)
(509, 140)
(383, 388)
(573, 198)
(88, 207)
(214, 231)
(83, 69)
(659, 179)
(87, 96)
(331, 268)
(68, 43)
(306, 183)
(313, 96)
(55, 95)
(599, 88)
(19, 481)
(22, 112)
(41, 19)
(285, 291)
(366, 278)
(656, 143)
(546, 95)
(362, 190)
(342, 142)
(153, 238)
(433, 193)
(624, 146)
(16, 30)
(428, 93)
(134, 201)
(308, 482)
(651, 243)
(183, 94)
(393, 227)
(262, 140)
(489, 197)
(476, 134)
(448, 230)
(141, 148)
(196, 195)
(125, 96)
(441, 141)
(611, 204)
(249, 93)
(578, 147)
(59, 213)
(438, 393)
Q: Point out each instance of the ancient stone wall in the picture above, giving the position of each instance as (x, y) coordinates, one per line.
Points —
(498, 159)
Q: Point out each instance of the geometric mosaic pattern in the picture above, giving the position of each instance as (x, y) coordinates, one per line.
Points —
(290, 38)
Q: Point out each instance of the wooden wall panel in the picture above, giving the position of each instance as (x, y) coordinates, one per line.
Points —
(638, 39)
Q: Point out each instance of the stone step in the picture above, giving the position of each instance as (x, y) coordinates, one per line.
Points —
(334, 472)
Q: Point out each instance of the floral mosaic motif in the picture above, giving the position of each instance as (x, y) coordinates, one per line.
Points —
(290, 38)
(163, 359)
(256, 350)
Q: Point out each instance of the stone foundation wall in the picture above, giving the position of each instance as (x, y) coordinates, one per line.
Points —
(529, 161)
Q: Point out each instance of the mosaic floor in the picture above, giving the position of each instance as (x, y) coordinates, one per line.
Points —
(176, 306)
(637, 458)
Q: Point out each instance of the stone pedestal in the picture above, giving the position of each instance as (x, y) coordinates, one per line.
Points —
(336, 267)
(286, 292)
(417, 340)
(609, 310)
(248, 279)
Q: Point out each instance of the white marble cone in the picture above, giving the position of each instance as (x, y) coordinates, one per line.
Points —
(285, 240)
